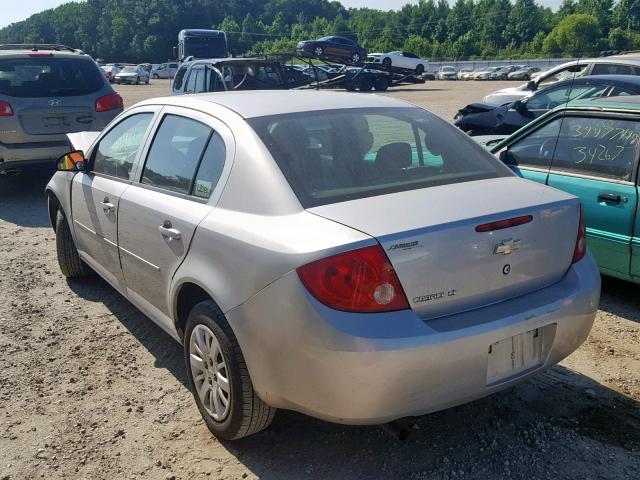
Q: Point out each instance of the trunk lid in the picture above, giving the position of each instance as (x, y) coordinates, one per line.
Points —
(52, 116)
(444, 265)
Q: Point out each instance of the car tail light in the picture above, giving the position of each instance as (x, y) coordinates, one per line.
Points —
(5, 109)
(361, 280)
(507, 223)
(580, 249)
(109, 102)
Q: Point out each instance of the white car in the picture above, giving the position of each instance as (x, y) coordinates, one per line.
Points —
(446, 72)
(164, 70)
(596, 66)
(464, 73)
(404, 60)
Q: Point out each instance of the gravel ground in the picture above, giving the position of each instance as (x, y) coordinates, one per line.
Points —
(91, 388)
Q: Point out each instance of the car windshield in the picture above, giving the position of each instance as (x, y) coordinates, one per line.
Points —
(129, 69)
(337, 155)
(48, 77)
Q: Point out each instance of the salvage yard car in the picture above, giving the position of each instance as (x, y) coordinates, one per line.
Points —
(332, 48)
(485, 119)
(590, 149)
(404, 60)
(47, 91)
(132, 74)
(275, 235)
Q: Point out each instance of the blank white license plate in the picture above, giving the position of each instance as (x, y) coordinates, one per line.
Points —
(513, 356)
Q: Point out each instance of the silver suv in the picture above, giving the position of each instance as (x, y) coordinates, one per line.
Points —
(47, 91)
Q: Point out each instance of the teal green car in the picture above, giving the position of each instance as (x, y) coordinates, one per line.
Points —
(589, 148)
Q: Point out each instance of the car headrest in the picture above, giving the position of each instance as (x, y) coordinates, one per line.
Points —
(394, 156)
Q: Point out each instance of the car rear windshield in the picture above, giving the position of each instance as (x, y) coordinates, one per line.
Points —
(332, 156)
(49, 77)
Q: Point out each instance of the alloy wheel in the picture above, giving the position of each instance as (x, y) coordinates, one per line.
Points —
(209, 372)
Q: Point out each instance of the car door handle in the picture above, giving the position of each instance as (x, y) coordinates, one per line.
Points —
(609, 197)
(168, 231)
(107, 206)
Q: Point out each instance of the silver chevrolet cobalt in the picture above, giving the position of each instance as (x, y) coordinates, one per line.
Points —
(348, 256)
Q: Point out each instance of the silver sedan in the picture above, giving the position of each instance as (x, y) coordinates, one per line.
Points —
(351, 257)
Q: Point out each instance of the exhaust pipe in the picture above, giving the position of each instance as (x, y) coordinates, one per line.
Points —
(10, 172)
(397, 429)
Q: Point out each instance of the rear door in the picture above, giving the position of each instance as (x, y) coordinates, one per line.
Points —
(95, 195)
(172, 193)
(596, 159)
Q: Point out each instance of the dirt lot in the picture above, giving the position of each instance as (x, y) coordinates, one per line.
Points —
(91, 388)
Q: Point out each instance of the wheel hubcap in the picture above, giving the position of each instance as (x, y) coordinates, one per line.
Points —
(209, 372)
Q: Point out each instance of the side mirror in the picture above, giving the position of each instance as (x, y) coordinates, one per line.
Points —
(531, 85)
(72, 162)
(508, 159)
(520, 106)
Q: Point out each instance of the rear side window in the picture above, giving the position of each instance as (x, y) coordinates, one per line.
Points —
(338, 155)
(602, 147)
(210, 167)
(174, 154)
(612, 69)
(49, 77)
(117, 150)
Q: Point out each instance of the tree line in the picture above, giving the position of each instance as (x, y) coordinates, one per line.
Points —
(146, 30)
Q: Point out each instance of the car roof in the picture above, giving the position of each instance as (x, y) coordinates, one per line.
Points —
(27, 52)
(627, 102)
(598, 79)
(259, 103)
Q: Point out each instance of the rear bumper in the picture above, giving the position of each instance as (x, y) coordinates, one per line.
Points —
(369, 369)
(20, 155)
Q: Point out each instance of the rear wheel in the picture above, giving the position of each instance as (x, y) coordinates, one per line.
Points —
(318, 51)
(219, 378)
(137, 80)
(355, 57)
(70, 263)
(381, 84)
(155, 76)
(366, 84)
(420, 69)
(146, 81)
(349, 86)
(386, 63)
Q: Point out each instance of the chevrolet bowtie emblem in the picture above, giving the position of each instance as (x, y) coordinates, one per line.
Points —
(507, 247)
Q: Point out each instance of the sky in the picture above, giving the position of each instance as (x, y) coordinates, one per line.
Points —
(14, 11)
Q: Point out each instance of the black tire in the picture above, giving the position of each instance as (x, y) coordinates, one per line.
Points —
(318, 51)
(349, 86)
(70, 263)
(155, 76)
(355, 57)
(146, 82)
(386, 62)
(137, 80)
(366, 84)
(248, 414)
(420, 69)
(381, 84)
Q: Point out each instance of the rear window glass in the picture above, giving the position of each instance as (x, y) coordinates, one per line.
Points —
(337, 155)
(49, 77)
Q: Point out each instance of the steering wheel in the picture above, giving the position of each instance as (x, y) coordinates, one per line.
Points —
(546, 149)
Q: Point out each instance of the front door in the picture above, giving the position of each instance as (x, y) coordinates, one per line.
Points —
(596, 159)
(95, 195)
(160, 212)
